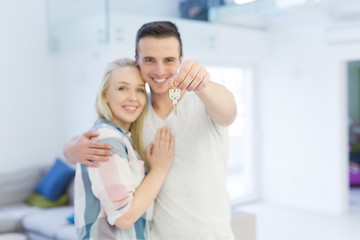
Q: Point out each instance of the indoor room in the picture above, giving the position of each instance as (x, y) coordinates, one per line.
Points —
(292, 66)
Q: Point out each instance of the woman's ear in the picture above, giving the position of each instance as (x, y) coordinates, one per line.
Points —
(104, 96)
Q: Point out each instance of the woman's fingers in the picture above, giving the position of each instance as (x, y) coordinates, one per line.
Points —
(157, 138)
(148, 151)
(163, 138)
(172, 143)
(167, 138)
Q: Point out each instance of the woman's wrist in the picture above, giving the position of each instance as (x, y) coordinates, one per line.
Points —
(159, 170)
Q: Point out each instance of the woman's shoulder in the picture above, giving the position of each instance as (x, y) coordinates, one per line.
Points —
(113, 136)
(107, 130)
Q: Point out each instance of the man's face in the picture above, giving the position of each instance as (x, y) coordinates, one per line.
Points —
(159, 61)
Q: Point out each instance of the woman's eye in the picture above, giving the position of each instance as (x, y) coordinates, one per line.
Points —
(141, 91)
(121, 88)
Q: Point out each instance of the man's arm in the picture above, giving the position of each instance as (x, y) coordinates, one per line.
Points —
(85, 151)
(219, 102)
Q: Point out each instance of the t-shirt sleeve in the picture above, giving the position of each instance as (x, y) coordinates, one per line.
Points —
(112, 183)
(199, 106)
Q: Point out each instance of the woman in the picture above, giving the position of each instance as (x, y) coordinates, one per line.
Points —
(114, 201)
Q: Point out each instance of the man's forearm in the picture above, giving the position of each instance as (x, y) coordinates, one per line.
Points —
(219, 103)
(81, 149)
(67, 149)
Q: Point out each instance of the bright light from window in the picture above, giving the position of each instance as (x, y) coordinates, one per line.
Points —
(233, 79)
(289, 3)
(241, 177)
(243, 1)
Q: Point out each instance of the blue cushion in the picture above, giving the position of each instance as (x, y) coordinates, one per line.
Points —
(71, 218)
(55, 181)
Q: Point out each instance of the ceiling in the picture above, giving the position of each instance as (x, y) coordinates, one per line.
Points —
(259, 13)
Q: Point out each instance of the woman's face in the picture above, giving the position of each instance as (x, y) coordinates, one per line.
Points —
(126, 95)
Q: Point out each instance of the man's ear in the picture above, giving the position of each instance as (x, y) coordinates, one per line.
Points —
(181, 59)
(136, 59)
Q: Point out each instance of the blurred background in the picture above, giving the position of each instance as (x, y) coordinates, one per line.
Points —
(292, 65)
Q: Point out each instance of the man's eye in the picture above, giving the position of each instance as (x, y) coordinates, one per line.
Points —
(148, 60)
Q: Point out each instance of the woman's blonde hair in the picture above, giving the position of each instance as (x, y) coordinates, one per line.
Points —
(103, 110)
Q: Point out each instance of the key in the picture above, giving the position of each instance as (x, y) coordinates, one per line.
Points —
(174, 95)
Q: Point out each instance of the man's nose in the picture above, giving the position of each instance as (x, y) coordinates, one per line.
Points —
(159, 69)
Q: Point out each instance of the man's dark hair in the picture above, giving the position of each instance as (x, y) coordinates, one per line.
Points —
(160, 29)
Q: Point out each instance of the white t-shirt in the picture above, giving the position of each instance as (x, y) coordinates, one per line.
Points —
(193, 202)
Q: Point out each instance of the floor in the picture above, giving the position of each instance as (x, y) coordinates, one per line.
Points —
(282, 223)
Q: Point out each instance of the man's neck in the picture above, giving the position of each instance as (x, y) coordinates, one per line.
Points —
(162, 104)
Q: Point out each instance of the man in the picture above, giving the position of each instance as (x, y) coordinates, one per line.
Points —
(193, 202)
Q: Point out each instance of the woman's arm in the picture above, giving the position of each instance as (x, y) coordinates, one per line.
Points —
(144, 195)
(159, 156)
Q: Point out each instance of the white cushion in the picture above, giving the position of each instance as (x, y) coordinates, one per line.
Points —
(13, 236)
(48, 221)
(67, 232)
(36, 236)
(11, 216)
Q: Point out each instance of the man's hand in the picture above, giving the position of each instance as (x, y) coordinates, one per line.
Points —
(191, 76)
(219, 102)
(84, 150)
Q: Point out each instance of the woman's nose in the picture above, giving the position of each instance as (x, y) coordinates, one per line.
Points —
(132, 95)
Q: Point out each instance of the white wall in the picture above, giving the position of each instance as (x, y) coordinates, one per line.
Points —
(303, 116)
(205, 42)
(78, 74)
(28, 123)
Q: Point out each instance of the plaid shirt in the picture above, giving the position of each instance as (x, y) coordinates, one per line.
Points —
(104, 194)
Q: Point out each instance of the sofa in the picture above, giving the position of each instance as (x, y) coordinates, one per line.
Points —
(20, 221)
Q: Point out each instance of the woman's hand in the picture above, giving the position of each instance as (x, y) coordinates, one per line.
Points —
(161, 153)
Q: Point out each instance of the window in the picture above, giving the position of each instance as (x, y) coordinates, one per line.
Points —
(241, 178)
